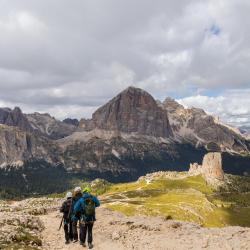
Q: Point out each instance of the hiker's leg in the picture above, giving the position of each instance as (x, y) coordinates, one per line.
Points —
(70, 230)
(66, 231)
(83, 232)
(74, 229)
(90, 228)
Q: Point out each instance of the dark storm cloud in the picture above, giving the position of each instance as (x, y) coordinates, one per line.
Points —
(70, 57)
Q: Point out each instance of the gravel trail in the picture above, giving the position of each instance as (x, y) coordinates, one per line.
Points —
(113, 230)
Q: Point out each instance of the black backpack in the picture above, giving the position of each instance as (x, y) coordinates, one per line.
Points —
(67, 208)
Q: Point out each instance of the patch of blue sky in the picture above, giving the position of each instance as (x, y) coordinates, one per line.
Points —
(193, 91)
(213, 92)
(215, 30)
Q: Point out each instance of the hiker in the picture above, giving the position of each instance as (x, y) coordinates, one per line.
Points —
(86, 206)
(75, 216)
(66, 210)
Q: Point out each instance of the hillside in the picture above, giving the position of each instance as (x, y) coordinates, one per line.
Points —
(182, 197)
(167, 210)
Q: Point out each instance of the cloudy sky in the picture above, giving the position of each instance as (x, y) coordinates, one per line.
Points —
(69, 57)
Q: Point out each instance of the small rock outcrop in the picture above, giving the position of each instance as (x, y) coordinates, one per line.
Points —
(211, 168)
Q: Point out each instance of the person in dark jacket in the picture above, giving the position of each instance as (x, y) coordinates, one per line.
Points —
(75, 216)
(86, 206)
(66, 210)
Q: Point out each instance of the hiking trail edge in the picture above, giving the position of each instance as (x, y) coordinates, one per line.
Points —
(113, 230)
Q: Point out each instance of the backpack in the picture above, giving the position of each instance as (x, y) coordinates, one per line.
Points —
(89, 207)
(67, 208)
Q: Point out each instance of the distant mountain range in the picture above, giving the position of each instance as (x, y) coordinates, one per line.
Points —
(245, 131)
(129, 136)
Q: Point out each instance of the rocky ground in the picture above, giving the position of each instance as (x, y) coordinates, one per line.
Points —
(33, 224)
(20, 226)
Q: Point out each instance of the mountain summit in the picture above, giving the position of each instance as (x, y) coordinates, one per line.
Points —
(133, 111)
(14, 118)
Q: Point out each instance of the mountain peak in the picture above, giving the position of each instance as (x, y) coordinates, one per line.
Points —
(133, 89)
(133, 110)
(17, 110)
(14, 118)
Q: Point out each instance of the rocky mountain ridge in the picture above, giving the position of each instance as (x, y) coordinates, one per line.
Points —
(129, 136)
(15, 118)
(245, 130)
(50, 127)
(18, 146)
(196, 126)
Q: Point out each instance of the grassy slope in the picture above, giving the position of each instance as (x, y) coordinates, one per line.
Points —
(189, 199)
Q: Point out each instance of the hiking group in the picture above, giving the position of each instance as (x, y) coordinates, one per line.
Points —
(79, 207)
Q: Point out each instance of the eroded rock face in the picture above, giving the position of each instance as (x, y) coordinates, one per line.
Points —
(17, 146)
(195, 169)
(14, 118)
(51, 127)
(70, 121)
(211, 168)
(196, 126)
(133, 110)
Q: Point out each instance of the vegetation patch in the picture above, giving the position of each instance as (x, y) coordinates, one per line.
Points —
(188, 198)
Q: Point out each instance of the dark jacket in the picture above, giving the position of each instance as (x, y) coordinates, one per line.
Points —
(74, 215)
(66, 208)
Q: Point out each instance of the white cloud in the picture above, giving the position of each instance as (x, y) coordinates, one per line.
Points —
(233, 107)
(78, 55)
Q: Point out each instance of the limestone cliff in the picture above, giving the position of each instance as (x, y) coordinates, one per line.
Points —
(197, 127)
(50, 127)
(17, 146)
(133, 111)
(14, 118)
(211, 168)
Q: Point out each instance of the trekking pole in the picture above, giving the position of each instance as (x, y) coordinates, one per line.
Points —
(60, 224)
(69, 213)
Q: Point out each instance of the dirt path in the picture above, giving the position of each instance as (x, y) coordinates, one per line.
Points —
(116, 231)
(54, 239)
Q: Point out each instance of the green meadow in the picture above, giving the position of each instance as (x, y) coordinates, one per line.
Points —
(188, 199)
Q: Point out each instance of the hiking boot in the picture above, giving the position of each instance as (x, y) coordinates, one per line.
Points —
(83, 244)
(74, 241)
(67, 242)
(90, 245)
